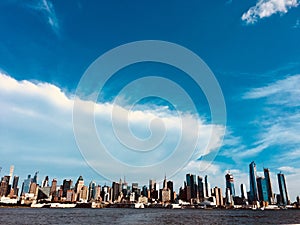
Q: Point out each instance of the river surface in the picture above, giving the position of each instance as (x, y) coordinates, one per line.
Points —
(146, 216)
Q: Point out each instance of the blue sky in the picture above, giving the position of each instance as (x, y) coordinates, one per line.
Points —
(252, 47)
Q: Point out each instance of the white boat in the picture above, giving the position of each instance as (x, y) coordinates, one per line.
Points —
(37, 205)
(175, 206)
(62, 205)
(139, 205)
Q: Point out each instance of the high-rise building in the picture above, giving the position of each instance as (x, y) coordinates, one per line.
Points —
(262, 189)
(115, 191)
(4, 186)
(78, 186)
(105, 194)
(145, 191)
(67, 184)
(253, 185)
(15, 185)
(53, 188)
(11, 172)
(125, 188)
(207, 187)
(165, 193)
(228, 197)
(218, 195)
(45, 182)
(269, 185)
(26, 185)
(135, 187)
(152, 184)
(92, 190)
(33, 188)
(84, 194)
(35, 178)
(230, 183)
(284, 197)
(201, 188)
(98, 193)
(171, 187)
(243, 191)
(192, 185)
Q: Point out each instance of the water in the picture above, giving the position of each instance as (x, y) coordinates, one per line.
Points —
(145, 216)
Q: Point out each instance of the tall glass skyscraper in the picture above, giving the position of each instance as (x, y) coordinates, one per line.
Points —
(269, 185)
(262, 189)
(243, 191)
(201, 188)
(230, 183)
(191, 182)
(26, 185)
(253, 185)
(207, 187)
(284, 197)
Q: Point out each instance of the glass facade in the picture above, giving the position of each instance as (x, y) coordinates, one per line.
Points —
(253, 186)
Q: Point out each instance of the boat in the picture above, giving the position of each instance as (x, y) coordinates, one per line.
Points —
(62, 205)
(139, 205)
(176, 206)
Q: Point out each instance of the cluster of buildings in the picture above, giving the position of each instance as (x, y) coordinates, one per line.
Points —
(198, 190)
(195, 191)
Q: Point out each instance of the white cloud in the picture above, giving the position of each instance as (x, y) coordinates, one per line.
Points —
(281, 120)
(266, 8)
(282, 92)
(36, 123)
(47, 9)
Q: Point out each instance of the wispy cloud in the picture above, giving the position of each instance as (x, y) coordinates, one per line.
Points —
(297, 24)
(282, 92)
(266, 8)
(280, 119)
(47, 9)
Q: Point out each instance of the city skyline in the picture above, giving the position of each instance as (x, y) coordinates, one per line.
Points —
(200, 188)
(251, 48)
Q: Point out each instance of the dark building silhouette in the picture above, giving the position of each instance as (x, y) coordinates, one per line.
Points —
(269, 185)
(253, 195)
(284, 197)
(67, 184)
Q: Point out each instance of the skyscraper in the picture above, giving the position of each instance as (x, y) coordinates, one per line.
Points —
(253, 185)
(243, 191)
(11, 171)
(45, 182)
(170, 186)
(4, 186)
(115, 190)
(15, 185)
(35, 178)
(26, 185)
(200, 188)
(79, 184)
(191, 183)
(66, 186)
(262, 189)
(152, 184)
(269, 185)
(218, 196)
(230, 183)
(92, 190)
(207, 187)
(284, 197)
(53, 187)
